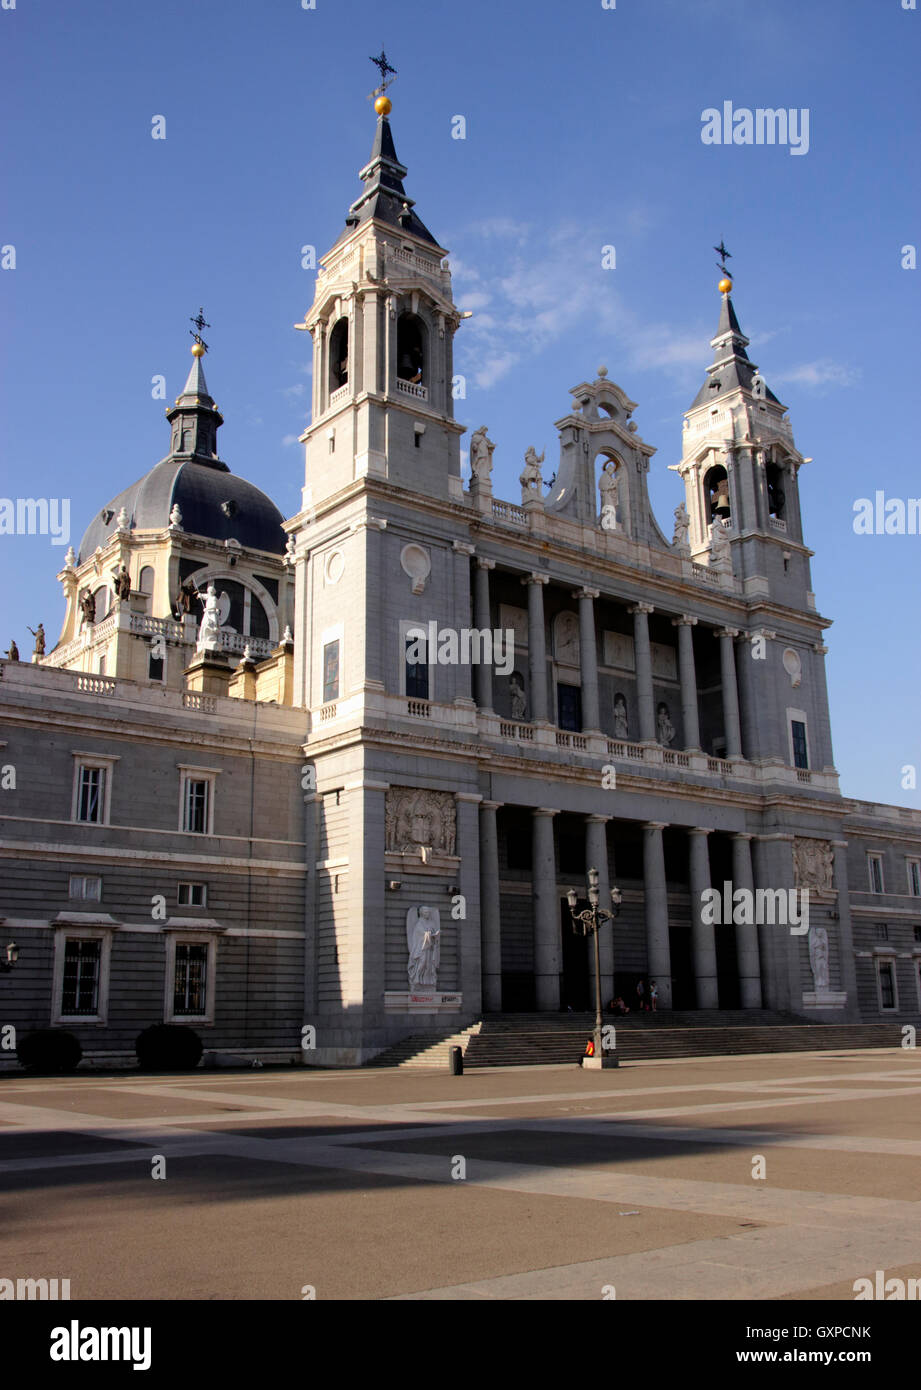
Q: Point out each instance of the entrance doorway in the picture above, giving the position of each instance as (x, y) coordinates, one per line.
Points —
(684, 991)
(575, 978)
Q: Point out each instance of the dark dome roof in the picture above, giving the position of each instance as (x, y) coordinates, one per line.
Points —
(200, 489)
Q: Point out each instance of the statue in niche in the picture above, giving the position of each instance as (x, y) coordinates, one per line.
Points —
(682, 528)
(88, 606)
(516, 693)
(818, 958)
(39, 634)
(187, 593)
(621, 720)
(122, 583)
(481, 451)
(531, 479)
(608, 487)
(665, 729)
(209, 633)
(423, 940)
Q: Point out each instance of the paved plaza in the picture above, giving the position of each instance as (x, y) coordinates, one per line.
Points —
(526, 1183)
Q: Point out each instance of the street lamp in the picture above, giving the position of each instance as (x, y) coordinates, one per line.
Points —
(12, 956)
(591, 920)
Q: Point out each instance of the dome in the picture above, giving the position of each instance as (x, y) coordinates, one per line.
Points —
(214, 503)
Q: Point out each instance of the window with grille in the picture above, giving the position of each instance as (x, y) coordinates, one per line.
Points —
(417, 667)
(81, 976)
(195, 809)
(192, 894)
(800, 749)
(191, 979)
(330, 672)
(914, 877)
(91, 792)
(875, 867)
(886, 985)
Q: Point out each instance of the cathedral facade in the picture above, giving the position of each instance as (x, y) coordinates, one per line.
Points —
(312, 785)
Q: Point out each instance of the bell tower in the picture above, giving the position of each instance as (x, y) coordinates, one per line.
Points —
(383, 322)
(740, 469)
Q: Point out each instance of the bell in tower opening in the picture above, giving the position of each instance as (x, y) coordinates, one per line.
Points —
(410, 349)
(775, 493)
(717, 492)
(339, 354)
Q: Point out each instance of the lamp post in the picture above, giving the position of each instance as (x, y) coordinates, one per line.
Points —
(12, 956)
(591, 920)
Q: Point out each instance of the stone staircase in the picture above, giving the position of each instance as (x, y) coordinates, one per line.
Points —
(532, 1039)
(425, 1050)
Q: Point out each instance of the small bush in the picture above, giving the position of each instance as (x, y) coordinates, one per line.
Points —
(168, 1047)
(50, 1050)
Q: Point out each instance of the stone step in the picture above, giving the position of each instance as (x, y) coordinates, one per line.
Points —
(424, 1050)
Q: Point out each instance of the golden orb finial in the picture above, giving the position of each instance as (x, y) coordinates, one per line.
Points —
(725, 285)
(383, 106)
(198, 349)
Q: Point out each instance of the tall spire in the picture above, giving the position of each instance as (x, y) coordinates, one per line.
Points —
(731, 367)
(384, 198)
(194, 418)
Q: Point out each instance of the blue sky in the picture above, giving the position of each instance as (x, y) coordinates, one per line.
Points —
(583, 130)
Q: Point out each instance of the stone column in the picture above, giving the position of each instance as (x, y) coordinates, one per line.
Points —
(655, 893)
(747, 956)
(537, 648)
(643, 655)
(731, 721)
(781, 987)
(588, 656)
(547, 945)
(596, 857)
(490, 910)
(703, 939)
(469, 877)
(482, 619)
(846, 963)
(687, 673)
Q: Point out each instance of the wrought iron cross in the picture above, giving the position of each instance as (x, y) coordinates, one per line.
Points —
(385, 68)
(200, 323)
(724, 256)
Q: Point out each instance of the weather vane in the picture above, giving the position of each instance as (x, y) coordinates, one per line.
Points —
(724, 256)
(386, 81)
(200, 323)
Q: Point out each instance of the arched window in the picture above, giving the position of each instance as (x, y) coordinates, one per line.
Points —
(716, 493)
(411, 363)
(776, 499)
(146, 579)
(102, 602)
(339, 355)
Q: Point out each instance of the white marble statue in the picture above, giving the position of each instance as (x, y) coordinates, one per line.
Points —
(481, 451)
(720, 555)
(607, 486)
(516, 693)
(531, 479)
(423, 939)
(664, 726)
(209, 634)
(818, 958)
(682, 528)
(621, 721)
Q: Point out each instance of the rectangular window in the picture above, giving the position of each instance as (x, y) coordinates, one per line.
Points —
(569, 707)
(80, 994)
(91, 793)
(918, 933)
(86, 888)
(800, 750)
(882, 932)
(192, 895)
(195, 810)
(417, 669)
(914, 877)
(190, 980)
(155, 665)
(330, 672)
(886, 984)
(875, 870)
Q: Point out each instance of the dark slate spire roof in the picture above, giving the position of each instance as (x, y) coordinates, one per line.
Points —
(731, 366)
(198, 419)
(384, 196)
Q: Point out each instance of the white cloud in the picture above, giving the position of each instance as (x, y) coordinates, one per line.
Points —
(289, 439)
(822, 372)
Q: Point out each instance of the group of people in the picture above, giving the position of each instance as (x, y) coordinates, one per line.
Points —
(646, 1002)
